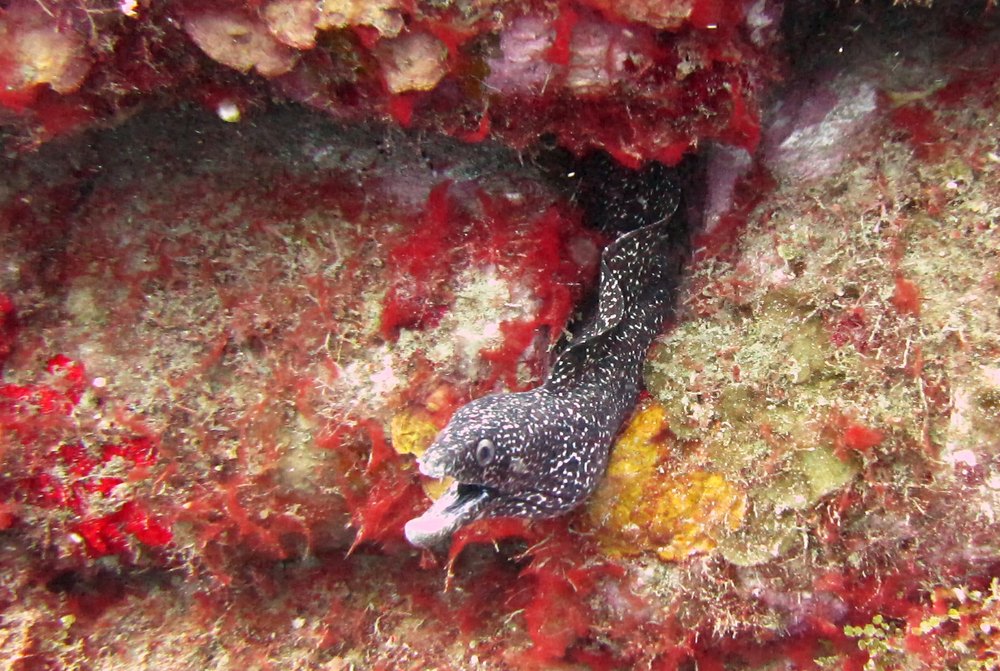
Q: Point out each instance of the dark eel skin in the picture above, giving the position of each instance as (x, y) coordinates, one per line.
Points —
(540, 453)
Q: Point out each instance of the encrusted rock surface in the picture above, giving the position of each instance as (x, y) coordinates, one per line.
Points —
(222, 343)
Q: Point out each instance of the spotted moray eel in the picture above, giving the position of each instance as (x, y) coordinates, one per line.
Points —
(540, 453)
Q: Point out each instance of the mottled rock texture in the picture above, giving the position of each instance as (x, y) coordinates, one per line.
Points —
(222, 343)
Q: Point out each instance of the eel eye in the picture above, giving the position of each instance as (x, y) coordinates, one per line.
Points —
(485, 452)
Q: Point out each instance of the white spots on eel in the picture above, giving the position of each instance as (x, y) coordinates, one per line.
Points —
(540, 453)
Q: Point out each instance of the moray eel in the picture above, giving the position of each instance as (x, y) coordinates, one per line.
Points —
(540, 453)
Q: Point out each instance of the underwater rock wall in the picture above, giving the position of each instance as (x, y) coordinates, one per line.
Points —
(222, 344)
(470, 70)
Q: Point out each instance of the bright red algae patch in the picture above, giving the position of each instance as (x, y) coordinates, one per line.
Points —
(906, 296)
(62, 486)
(421, 264)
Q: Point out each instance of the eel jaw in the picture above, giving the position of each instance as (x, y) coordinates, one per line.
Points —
(459, 505)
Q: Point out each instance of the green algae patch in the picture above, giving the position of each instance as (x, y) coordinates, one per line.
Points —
(824, 471)
(763, 537)
(732, 383)
(774, 527)
(750, 397)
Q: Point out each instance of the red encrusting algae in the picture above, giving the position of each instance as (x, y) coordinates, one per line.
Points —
(65, 485)
(249, 332)
(421, 65)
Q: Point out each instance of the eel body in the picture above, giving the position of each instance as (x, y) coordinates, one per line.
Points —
(540, 453)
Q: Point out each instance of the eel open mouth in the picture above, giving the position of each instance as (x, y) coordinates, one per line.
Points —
(460, 504)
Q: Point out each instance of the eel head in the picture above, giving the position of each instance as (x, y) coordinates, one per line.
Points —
(494, 449)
